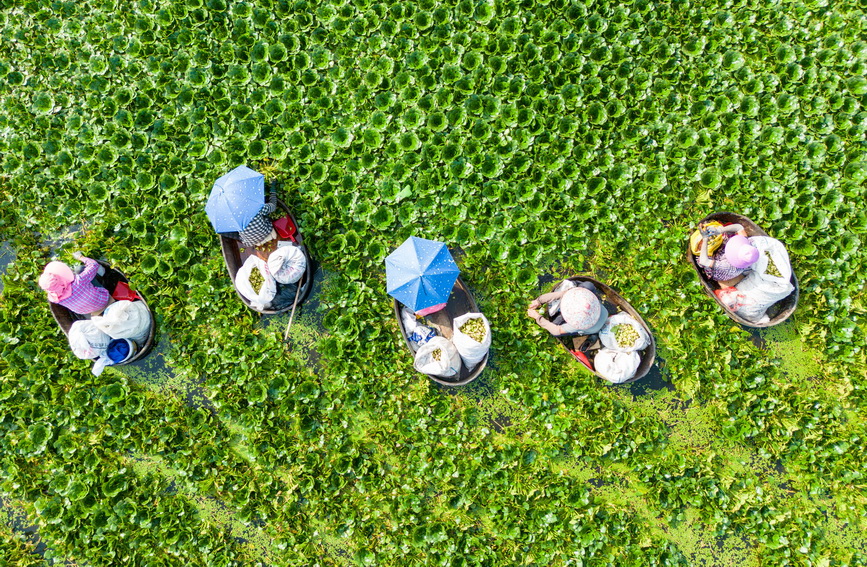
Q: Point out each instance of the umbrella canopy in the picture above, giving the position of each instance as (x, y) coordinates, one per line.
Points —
(420, 273)
(235, 199)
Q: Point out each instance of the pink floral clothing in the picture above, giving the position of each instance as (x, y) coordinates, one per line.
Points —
(86, 297)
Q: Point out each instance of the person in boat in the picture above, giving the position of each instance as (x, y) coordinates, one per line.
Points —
(76, 292)
(260, 229)
(733, 256)
(581, 312)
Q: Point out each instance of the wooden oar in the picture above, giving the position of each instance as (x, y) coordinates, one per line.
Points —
(292, 315)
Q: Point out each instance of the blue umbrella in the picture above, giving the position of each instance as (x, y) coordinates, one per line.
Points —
(235, 199)
(420, 273)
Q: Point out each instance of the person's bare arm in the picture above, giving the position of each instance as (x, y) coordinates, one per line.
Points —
(547, 325)
(537, 303)
(548, 297)
(732, 228)
(703, 259)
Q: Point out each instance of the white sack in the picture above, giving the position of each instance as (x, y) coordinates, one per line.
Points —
(125, 320)
(471, 351)
(554, 305)
(86, 340)
(616, 367)
(759, 290)
(261, 300)
(287, 264)
(606, 335)
(449, 363)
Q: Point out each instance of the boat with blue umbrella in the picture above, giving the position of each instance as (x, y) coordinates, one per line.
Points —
(247, 226)
(425, 282)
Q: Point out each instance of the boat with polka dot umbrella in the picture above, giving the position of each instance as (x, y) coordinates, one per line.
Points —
(236, 204)
(422, 276)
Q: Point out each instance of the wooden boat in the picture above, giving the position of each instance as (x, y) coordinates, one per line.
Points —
(65, 318)
(778, 312)
(460, 302)
(235, 254)
(615, 304)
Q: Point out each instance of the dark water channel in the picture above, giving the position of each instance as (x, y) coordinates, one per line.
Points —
(7, 256)
(13, 516)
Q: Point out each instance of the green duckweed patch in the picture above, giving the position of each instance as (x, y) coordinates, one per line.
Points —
(539, 139)
(210, 510)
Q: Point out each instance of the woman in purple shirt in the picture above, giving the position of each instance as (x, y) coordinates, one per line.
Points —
(732, 259)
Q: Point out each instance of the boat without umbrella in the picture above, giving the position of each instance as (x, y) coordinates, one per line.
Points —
(65, 318)
(648, 354)
(778, 312)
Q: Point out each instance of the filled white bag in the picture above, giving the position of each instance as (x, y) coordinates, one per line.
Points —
(261, 300)
(554, 305)
(759, 290)
(86, 340)
(125, 320)
(449, 363)
(471, 350)
(609, 340)
(287, 263)
(616, 367)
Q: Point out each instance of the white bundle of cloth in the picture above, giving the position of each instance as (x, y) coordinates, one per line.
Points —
(417, 333)
(125, 320)
(616, 367)
(287, 263)
(86, 340)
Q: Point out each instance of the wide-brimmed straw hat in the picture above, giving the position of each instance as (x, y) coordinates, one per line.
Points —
(580, 307)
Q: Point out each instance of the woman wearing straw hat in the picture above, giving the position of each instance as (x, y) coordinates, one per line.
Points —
(734, 254)
(581, 312)
(74, 291)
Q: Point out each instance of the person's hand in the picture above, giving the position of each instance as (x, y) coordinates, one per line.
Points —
(533, 314)
(77, 255)
(711, 231)
(535, 304)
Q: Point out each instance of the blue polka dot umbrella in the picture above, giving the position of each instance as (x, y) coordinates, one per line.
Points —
(235, 199)
(420, 273)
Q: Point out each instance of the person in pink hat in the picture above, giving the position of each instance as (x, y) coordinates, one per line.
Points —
(74, 291)
(731, 260)
(581, 312)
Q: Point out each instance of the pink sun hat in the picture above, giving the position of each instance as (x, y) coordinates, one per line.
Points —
(740, 252)
(56, 280)
(580, 307)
